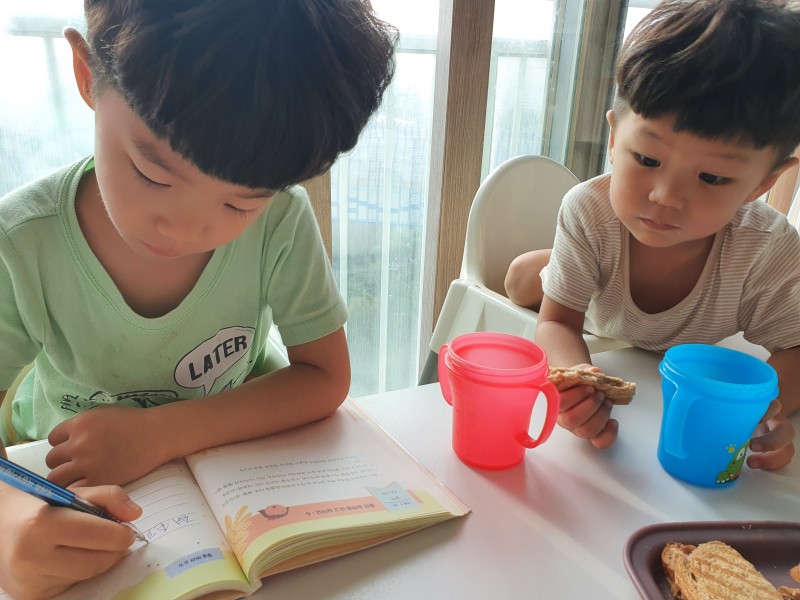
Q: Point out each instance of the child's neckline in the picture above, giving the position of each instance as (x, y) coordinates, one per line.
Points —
(129, 297)
(681, 299)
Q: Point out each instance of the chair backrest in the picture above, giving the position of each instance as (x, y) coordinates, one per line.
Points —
(514, 210)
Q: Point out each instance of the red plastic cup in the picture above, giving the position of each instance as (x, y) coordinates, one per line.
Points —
(492, 381)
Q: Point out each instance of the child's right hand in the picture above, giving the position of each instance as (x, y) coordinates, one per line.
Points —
(587, 413)
(45, 550)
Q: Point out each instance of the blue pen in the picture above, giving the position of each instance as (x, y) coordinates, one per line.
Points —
(31, 483)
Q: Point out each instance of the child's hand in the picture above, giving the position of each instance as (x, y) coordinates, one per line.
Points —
(587, 413)
(112, 445)
(773, 441)
(45, 550)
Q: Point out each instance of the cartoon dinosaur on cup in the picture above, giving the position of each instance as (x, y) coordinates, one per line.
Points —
(734, 467)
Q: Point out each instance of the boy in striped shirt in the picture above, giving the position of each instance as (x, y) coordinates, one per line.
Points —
(672, 246)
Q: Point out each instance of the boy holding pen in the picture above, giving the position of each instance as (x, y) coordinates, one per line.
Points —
(149, 275)
(45, 549)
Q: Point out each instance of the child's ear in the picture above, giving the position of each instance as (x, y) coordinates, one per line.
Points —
(610, 119)
(771, 178)
(80, 64)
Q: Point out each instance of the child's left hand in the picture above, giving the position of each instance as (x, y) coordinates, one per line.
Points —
(772, 441)
(108, 445)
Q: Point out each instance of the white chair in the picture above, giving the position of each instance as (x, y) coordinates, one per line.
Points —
(514, 211)
(794, 210)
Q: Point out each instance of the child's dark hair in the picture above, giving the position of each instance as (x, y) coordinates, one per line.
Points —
(260, 93)
(724, 69)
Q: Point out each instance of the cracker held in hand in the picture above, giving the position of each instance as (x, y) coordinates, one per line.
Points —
(715, 571)
(615, 389)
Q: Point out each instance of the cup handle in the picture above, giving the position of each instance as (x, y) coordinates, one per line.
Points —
(675, 420)
(444, 375)
(553, 404)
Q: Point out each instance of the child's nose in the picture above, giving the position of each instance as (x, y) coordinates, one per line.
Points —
(180, 229)
(668, 194)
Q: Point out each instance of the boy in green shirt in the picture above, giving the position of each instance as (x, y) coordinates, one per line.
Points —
(152, 272)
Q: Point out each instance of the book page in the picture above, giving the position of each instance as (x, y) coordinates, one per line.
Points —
(186, 551)
(308, 491)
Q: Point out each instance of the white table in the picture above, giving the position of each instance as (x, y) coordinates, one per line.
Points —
(553, 527)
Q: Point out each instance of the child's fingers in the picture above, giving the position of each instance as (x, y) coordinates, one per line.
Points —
(66, 566)
(770, 461)
(46, 549)
(607, 437)
(572, 398)
(773, 445)
(587, 418)
(113, 499)
(66, 474)
(597, 425)
(59, 434)
(772, 435)
(77, 530)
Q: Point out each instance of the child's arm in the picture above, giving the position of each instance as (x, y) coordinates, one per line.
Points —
(773, 440)
(45, 550)
(559, 331)
(118, 445)
(584, 411)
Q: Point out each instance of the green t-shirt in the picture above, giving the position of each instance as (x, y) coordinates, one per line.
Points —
(60, 308)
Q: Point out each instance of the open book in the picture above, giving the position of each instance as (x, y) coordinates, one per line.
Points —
(220, 520)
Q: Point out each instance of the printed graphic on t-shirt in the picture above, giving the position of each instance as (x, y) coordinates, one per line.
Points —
(143, 398)
(211, 359)
(200, 368)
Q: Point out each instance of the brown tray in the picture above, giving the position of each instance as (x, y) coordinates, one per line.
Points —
(772, 546)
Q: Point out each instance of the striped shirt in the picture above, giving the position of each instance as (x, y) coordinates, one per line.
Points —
(750, 283)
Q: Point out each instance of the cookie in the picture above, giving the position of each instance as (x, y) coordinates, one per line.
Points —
(615, 389)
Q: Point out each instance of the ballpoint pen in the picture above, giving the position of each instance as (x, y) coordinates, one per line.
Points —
(31, 483)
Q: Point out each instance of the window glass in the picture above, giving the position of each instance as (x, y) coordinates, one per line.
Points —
(44, 123)
(636, 11)
(518, 80)
(379, 199)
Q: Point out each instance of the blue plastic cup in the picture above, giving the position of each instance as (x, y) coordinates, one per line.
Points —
(713, 399)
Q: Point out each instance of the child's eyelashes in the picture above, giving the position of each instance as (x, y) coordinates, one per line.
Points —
(713, 179)
(242, 212)
(145, 179)
(652, 163)
(646, 161)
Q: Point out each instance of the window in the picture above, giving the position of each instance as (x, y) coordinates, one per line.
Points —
(379, 190)
(44, 123)
(379, 193)
(518, 80)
